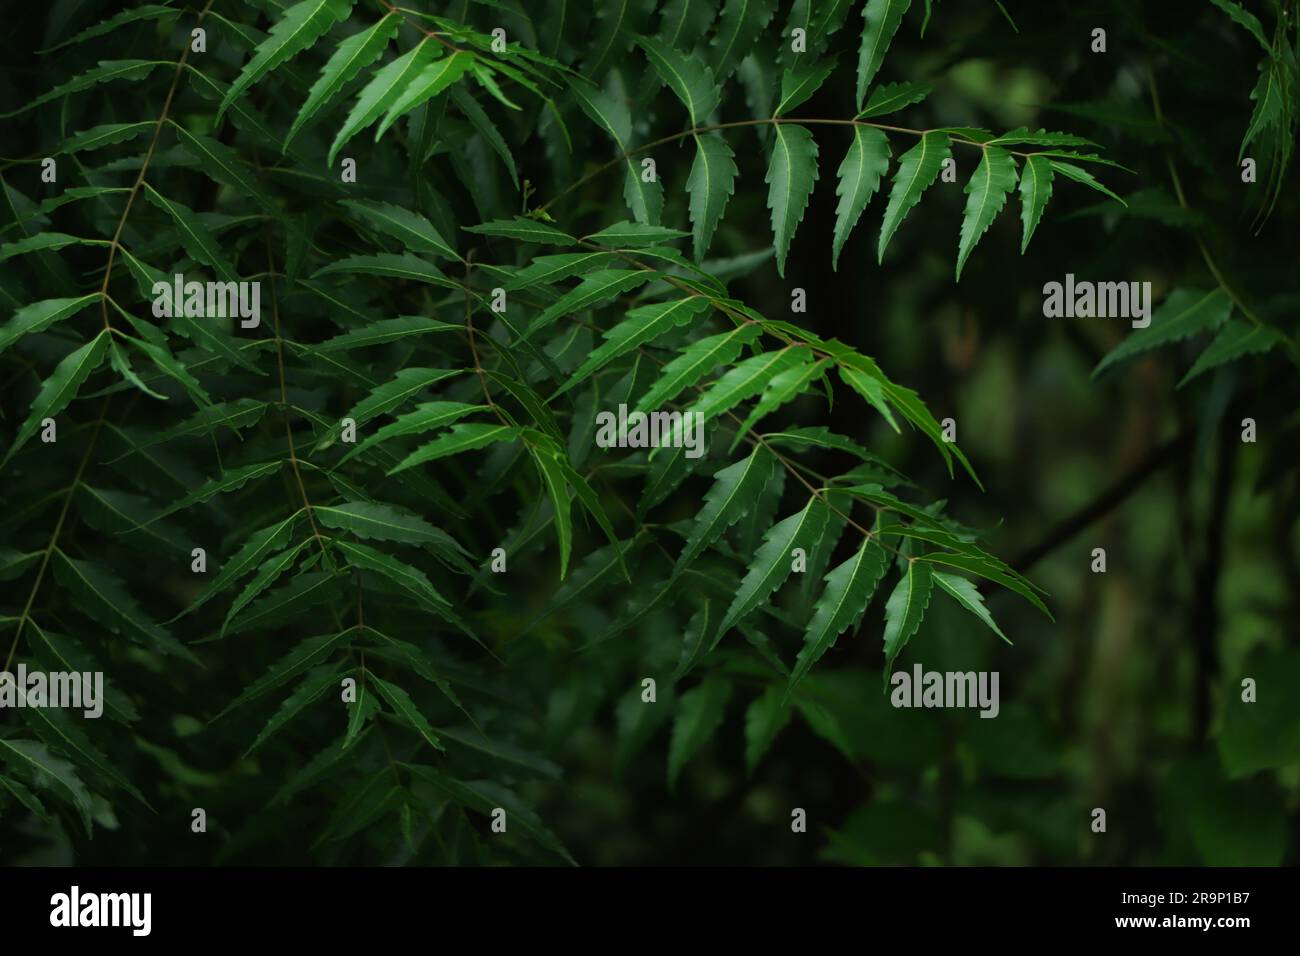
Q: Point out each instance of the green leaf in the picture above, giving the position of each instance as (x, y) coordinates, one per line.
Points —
(643, 324)
(697, 360)
(986, 194)
(849, 588)
(106, 600)
(645, 199)
(367, 519)
(626, 235)
(859, 177)
(405, 708)
(45, 241)
(148, 11)
(105, 135)
(969, 597)
(195, 237)
(1184, 313)
(425, 417)
(918, 168)
(59, 727)
(312, 687)
(464, 437)
(734, 493)
(230, 480)
(48, 772)
(60, 388)
(425, 85)
(411, 580)
(1236, 339)
(739, 27)
(267, 573)
(385, 331)
(892, 97)
(553, 479)
(300, 27)
(784, 387)
(405, 266)
(595, 288)
(1246, 20)
(764, 719)
(105, 72)
(882, 18)
(39, 316)
(690, 80)
(351, 57)
(711, 183)
(223, 165)
(305, 655)
(791, 173)
(988, 567)
(799, 85)
(773, 562)
(486, 128)
(905, 608)
(745, 379)
(699, 715)
(405, 385)
(1082, 176)
(525, 230)
(414, 231)
(1035, 191)
(384, 87)
(254, 550)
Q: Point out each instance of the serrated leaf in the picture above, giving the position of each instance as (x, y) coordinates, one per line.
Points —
(251, 553)
(784, 387)
(414, 231)
(351, 57)
(905, 609)
(384, 87)
(300, 27)
(553, 479)
(791, 173)
(643, 324)
(772, 562)
(425, 417)
(696, 361)
(466, 436)
(525, 230)
(1035, 191)
(39, 316)
(799, 85)
(105, 135)
(312, 687)
(392, 266)
(594, 289)
(60, 388)
(892, 97)
(918, 168)
(107, 71)
(1083, 176)
(630, 235)
(881, 19)
(866, 161)
(385, 331)
(405, 708)
(734, 492)
(739, 27)
(49, 772)
(746, 379)
(305, 655)
(148, 11)
(690, 80)
(986, 194)
(425, 85)
(411, 580)
(373, 519)
(711, 183)
(1184, 313)
(849, 588)
(969, 597)
(645, 199)
(195, 237)
(1235, 340)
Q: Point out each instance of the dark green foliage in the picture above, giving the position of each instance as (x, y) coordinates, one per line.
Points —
(354, 678)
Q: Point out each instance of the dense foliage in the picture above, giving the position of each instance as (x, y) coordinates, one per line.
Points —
(425, 592)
